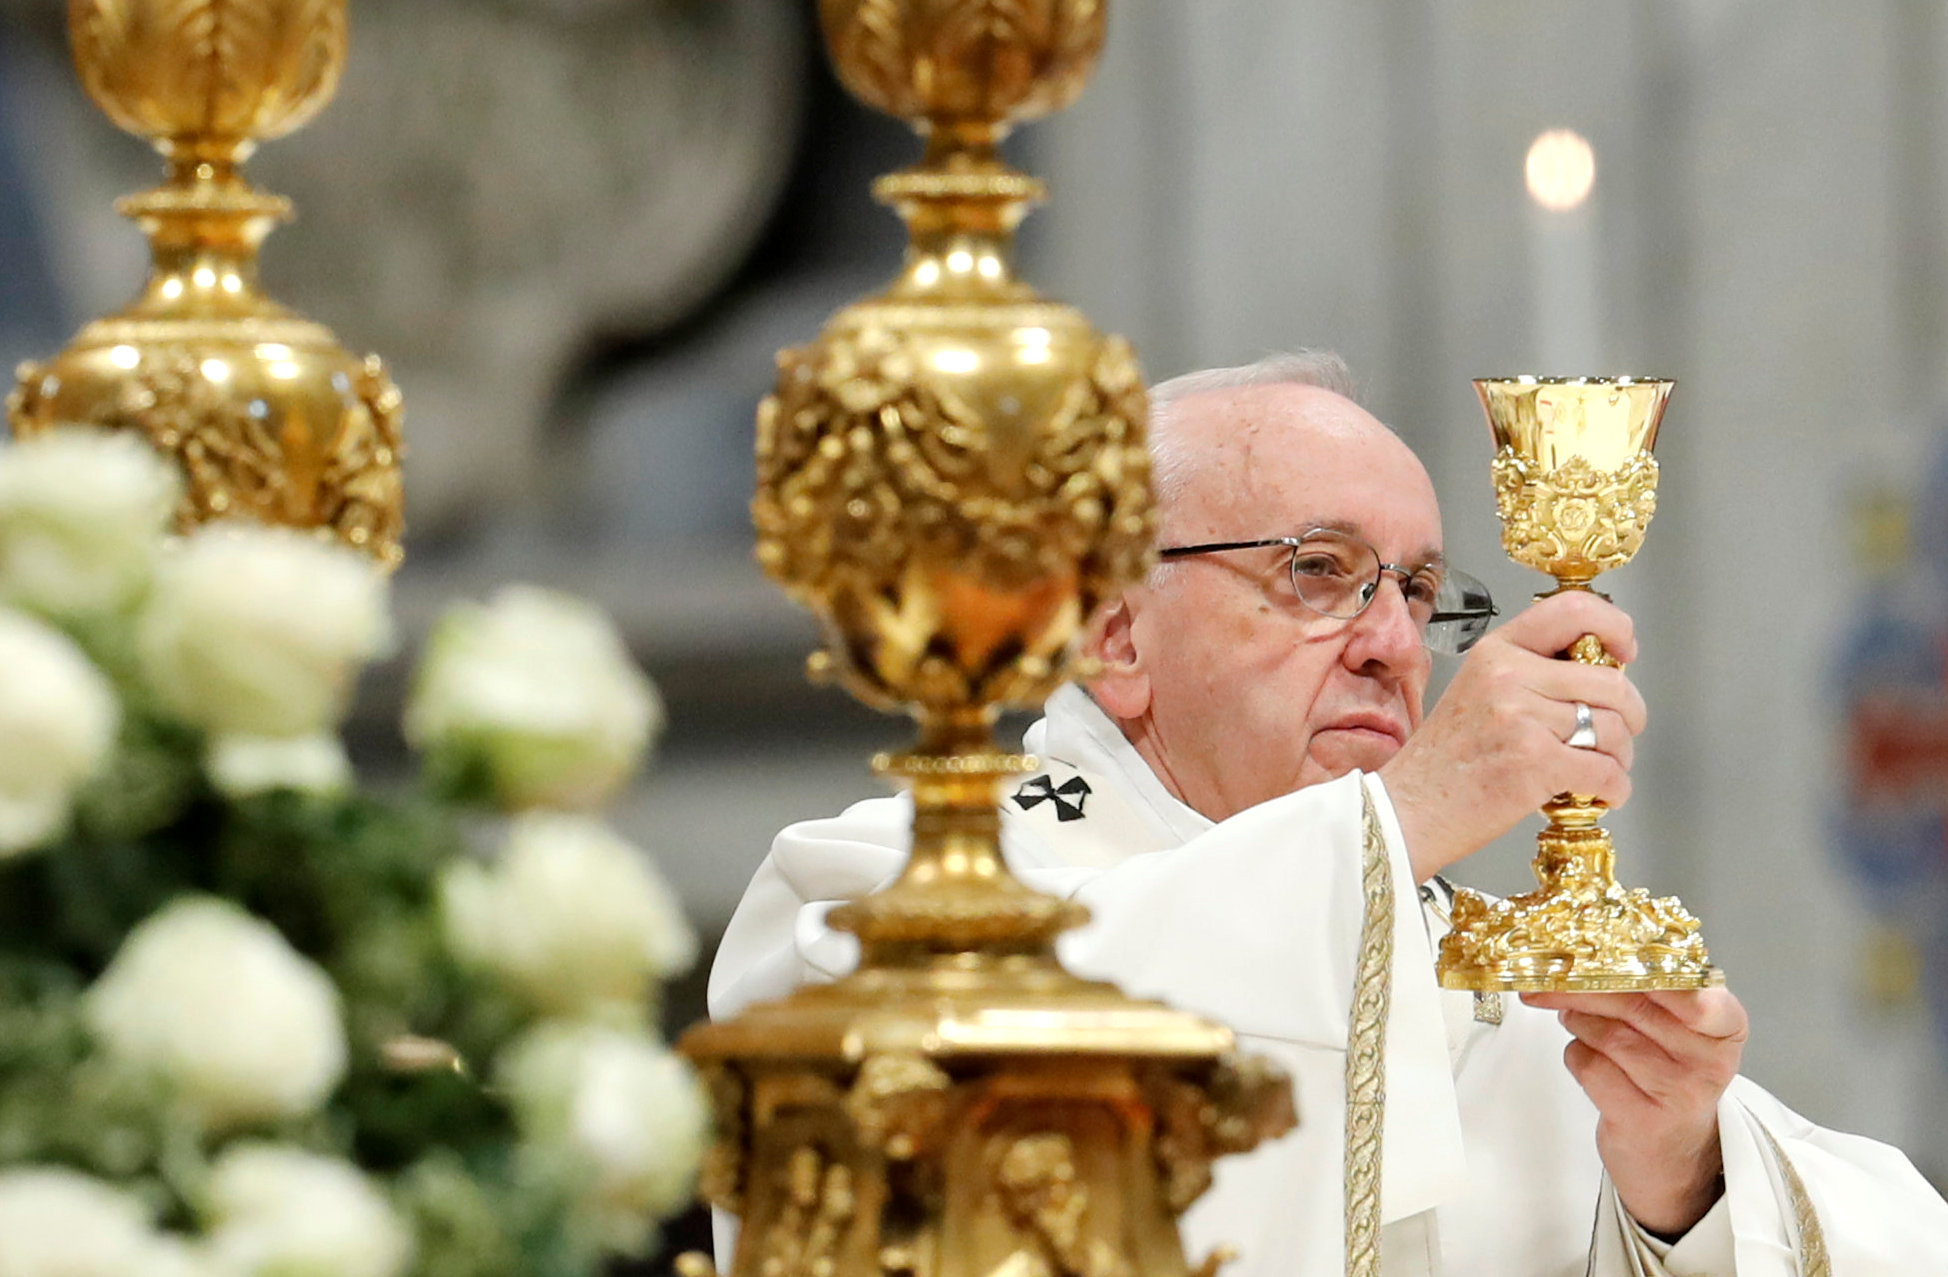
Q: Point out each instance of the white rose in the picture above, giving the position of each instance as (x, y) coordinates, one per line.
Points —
(536, 694)
(622, 1109)
(276, 1211)
(240, 766)
(259, 631)
(61, 1223)
(174, 1257)
(572, 917)
(82, 515)
(214, 1000)
(58, 719)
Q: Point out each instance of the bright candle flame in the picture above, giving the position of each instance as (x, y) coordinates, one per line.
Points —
(1561, 169)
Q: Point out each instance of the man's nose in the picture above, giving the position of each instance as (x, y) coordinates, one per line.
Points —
(1386, 631)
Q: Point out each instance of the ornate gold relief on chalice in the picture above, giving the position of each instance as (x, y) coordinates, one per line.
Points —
(1575, 485)
(951, 477)
(269, 416)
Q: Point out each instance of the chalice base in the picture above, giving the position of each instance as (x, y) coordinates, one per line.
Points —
(1593, 936)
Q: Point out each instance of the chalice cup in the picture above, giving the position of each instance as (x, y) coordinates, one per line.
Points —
(1575, 485)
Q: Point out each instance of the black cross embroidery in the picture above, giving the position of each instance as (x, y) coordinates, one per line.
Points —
(1067, 797)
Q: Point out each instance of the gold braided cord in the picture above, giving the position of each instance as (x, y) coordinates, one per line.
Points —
(1813, 1260)
(1366, 1046)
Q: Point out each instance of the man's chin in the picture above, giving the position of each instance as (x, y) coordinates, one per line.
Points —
(1339, 752)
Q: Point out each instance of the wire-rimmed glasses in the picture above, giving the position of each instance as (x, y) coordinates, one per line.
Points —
(1338, 575)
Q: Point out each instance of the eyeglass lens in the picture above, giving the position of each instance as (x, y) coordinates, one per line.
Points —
(1338, 576)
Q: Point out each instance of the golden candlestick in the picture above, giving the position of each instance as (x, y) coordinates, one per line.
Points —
(1575, 485)
(952, 477)
(270, 417)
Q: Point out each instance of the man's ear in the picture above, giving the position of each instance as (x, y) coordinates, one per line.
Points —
(1121, 684)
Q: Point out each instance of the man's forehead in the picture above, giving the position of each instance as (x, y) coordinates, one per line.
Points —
(1247, 427)
(1301, 457)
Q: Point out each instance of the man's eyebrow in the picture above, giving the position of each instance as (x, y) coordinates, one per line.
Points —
(1428, 557)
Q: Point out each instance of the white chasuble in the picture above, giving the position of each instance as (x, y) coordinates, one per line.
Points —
(1470, 1153)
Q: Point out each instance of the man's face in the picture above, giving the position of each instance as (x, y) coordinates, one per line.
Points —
(1236, 692)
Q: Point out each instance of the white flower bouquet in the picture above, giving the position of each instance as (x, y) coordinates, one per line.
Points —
(258, 1022)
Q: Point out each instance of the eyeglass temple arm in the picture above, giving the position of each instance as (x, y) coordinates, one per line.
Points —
(1179, 551)
(1476, 615)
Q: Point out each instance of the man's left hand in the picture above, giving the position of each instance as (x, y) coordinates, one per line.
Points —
(1655, 1065)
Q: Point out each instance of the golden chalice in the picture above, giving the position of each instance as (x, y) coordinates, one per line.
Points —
(1576, 485)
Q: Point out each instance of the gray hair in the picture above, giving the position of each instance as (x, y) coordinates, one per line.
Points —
(1172, 462)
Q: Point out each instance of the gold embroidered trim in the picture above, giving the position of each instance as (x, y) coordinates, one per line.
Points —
(1366, 1047)
(1813, 1260)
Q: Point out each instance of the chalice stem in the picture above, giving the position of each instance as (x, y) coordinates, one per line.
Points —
(1589, 650)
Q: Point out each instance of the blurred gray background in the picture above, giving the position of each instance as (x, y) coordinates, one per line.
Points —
(578, 229)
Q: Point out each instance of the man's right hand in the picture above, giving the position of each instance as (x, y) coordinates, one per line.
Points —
(1492, 750)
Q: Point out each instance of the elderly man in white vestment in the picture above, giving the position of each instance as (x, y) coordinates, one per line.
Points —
(1205, 799)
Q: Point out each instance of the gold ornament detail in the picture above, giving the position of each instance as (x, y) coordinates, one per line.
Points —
(1366, 1050)
(209, 78)
(1576, 486)
(953, 557)
(952, 477)
(1228, 1112)
(1575, 521)
(1582, 926)
(1037, 1183)
(720, 1179)
(975, 66)
(269, 416)
(817, 1209)
(899, 1103)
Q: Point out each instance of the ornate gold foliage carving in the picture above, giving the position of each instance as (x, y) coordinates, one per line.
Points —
(234, 451)
(720, 1180)
(898, 1103)
(1584, 931)
(882, 503)
(1574, 521)
(816, 1207)
(1245, 1101)
(1581, 926)
(1042, 1193)
(967, 61)
(224, 71)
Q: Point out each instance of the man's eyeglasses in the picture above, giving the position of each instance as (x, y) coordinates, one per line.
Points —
(1338, 575)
